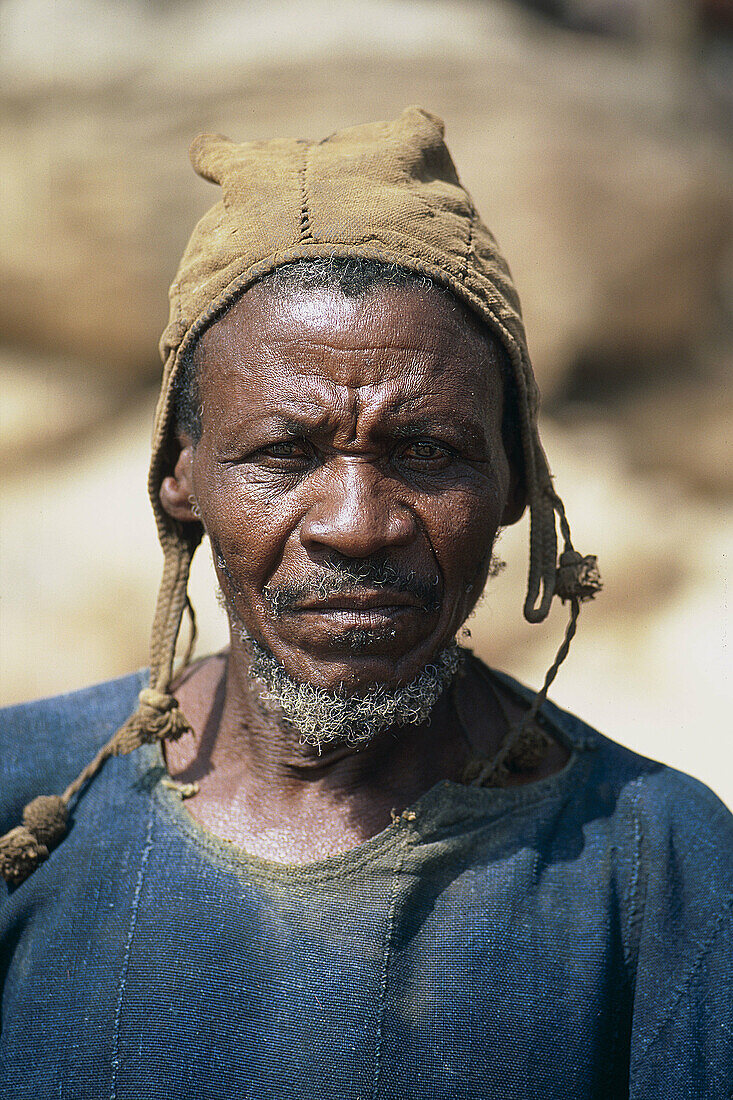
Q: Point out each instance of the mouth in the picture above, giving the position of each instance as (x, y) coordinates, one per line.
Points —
(365, 600)
(364, 610)
(370, 608)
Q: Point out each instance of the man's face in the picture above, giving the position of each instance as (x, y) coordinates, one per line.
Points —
(351, 476)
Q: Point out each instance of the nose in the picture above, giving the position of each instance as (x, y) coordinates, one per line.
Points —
(356, 513)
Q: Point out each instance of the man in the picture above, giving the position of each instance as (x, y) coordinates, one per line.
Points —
(396, 873)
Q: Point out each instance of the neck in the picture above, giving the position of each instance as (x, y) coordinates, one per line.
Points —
(261, 787)
(274, 754)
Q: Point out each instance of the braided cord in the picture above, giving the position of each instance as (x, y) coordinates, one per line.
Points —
(492, 768)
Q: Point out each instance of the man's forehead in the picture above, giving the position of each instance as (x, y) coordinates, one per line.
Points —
(367, 338)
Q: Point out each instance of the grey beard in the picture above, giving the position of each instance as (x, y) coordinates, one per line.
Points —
(322, 716)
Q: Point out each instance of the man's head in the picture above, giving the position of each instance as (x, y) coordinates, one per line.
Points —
(343, 430)
(347, 294)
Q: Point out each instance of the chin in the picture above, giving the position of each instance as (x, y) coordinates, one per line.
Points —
(354, 711)
(353, 657)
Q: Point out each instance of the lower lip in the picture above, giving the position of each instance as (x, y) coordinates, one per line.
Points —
(364, 618)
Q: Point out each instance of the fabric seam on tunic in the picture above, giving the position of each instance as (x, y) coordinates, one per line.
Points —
(407, 838)
(703, 948)
(126, 958)
(634, 900)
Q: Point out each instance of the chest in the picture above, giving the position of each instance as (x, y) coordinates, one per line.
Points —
(158, 967)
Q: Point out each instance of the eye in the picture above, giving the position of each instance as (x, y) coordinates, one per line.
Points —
(281, 450)
(285, 454)
(424, 454)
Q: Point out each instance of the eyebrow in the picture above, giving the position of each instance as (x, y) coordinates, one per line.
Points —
(419, 425)
(294, 425)
(463, 426)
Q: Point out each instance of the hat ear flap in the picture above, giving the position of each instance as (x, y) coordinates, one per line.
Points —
(210, 154)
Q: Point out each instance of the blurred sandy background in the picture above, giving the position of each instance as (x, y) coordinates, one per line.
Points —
(592, 134)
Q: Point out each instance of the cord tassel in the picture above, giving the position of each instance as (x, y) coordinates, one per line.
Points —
(45, 819)
(578, 577)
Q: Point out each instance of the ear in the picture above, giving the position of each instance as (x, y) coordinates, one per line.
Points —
(516, 500)
(176, 490)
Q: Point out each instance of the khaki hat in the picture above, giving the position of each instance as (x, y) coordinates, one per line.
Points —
(385, 191)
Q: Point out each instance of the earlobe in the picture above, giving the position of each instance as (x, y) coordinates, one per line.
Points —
(516, 500)
(176, 490)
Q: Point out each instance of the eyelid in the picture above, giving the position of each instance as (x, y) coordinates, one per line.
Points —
(263, 453)
(299, 450)
(427, 441)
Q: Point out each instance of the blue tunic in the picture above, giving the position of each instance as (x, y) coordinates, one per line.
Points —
(569, 938)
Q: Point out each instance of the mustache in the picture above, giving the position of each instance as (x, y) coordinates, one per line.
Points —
(341, 578)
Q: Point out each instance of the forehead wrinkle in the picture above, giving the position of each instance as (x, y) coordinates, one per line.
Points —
(306, 390)
(354, 410)
(355, 368)
(312, 387)
(342, 346)
(371, 408)
(327, 409)
(434, 356)
(436, 346)
(481, 398)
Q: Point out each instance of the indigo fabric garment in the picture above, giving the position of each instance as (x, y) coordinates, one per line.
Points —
(569, 938)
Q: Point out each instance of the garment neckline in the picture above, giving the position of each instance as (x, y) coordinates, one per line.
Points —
(444, 804)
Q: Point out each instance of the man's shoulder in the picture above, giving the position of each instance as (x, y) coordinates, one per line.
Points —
(671, 818)
(662, 841)
(653, 781)
(45, 743)
(659, 819)
(85, 713)
(652, 798)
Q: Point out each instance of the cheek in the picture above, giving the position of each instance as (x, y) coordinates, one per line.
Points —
(463, 533)
(244, 525)
(467, 517)
(463, 528)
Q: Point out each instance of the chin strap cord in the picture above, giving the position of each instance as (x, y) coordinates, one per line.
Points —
(525, 744)
(576, 580)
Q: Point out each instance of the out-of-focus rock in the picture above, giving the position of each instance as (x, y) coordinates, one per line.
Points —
(684, 430)
(47, 405)
(613, 216)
